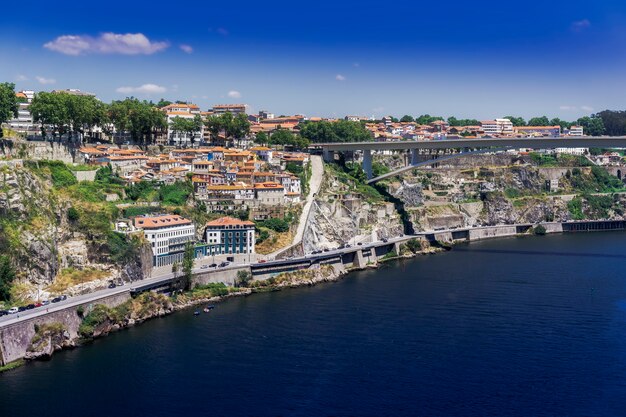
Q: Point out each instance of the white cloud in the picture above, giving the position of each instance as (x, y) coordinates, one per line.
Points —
(21, 77)
(43, 80)
(580, 25)
(356, 65)
(146, 89)
(106, 43)
(340, 77)
(234, 94)
(576, 108)
(186, 48)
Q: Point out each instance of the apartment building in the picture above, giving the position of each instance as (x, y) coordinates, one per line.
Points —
(497, 127)
(235, 109)
(167, 235)
(23, 123)
(228, 235)
(185, 111)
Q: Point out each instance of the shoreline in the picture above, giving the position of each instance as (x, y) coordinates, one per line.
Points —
(285, 280)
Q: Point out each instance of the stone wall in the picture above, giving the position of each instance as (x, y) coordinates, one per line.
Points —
(15, 338)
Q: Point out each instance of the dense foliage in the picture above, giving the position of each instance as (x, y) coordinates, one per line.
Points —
(340, 131)
(7, 275)
(8, 103)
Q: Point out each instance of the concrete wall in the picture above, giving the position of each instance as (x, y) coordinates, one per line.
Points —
(15, 338)
(85, 175)
(487, 233)
(227, 276)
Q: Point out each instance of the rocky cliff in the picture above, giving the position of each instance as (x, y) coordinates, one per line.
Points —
(56, 242)
(347, 212)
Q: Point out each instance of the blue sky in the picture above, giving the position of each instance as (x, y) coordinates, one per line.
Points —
(480, 59)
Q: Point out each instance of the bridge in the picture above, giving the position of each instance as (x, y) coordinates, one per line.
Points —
(467, 147)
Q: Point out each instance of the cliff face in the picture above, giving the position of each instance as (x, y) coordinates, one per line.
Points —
(50, 252)
(487, 190)
(344, 213)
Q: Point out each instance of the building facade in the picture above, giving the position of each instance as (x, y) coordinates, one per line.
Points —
(167, 235)
(228, 235)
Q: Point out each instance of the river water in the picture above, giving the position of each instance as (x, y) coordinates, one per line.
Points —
(522, 326)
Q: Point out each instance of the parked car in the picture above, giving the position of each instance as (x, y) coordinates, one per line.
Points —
(262, 261)
(223, 264)
(38, 305)
(63, 297)
(13, 310)
(22, 308)
(56, 299)
(385, 240)
(360, 243)
(45, 302)
(3, 313)
(112, 285)
(204, 267)
(213, 266)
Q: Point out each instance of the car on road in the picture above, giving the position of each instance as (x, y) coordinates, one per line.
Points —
(3, 313)
(38, 305)
(13, 310)
(213, 266)
(56, 299)
(326, 250)
(223, 264)
(385, 240)
(63, 297)
(262, 261)
(22, 308)
(45, 302)
(112, 285)
(204, 267)
(360, 244)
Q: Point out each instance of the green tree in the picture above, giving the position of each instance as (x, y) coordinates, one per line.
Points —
(614, 122)
(162, 103)
(339, 131)
(593, 126)
(7, 276)
(406, 118)
(187, 265)
(51, 109)
(562, 123)
(262, 138)
(539, 121)
(425, 119)
(517, 121)
(8, 103)
(243, 278)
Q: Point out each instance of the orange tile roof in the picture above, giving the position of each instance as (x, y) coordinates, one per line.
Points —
(160, 221)
(229, 221)
(268, 186)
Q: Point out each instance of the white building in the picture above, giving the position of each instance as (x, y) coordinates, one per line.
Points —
(576, 131)
(185, 111)
(497, 127)
(167, 235)
(23, 123)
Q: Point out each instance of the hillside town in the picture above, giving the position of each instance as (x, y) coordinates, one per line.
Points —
(247, 167)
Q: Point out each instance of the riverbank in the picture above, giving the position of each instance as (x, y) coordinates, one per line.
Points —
(102, 320)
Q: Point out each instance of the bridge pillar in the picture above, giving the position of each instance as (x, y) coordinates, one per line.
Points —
(414, 156)
(396, 248)
(359, 260)
(367, 164)
(328, 155)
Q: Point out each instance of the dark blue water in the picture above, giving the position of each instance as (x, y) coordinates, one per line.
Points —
(523, 326)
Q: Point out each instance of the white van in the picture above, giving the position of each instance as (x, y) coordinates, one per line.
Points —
(12, 310)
